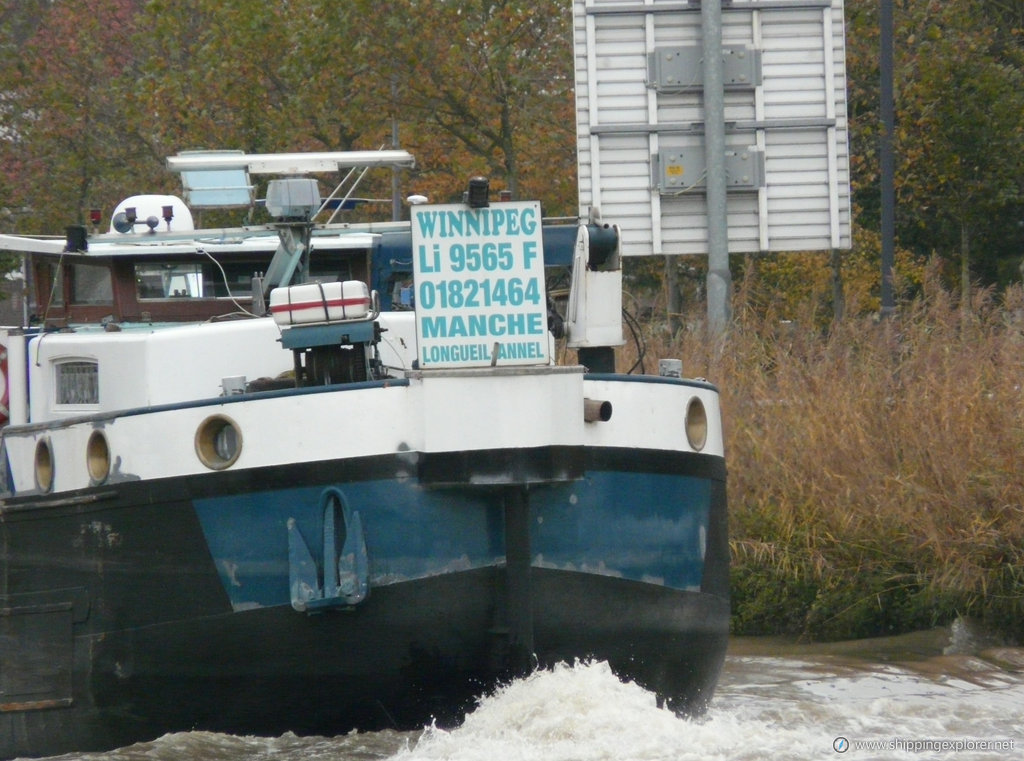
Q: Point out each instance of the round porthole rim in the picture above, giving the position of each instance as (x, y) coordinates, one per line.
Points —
(205, 442)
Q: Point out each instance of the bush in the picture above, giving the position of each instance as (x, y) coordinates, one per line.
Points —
(875, 483)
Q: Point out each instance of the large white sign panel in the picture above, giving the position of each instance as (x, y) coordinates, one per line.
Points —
(639, 103)
(479, 279)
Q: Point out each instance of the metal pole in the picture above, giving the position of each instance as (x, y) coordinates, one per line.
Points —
(396, 201)
(719, 278)
(885, 157)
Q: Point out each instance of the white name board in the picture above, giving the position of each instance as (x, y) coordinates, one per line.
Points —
(479, 276)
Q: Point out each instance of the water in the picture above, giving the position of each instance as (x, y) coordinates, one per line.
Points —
(913, 697)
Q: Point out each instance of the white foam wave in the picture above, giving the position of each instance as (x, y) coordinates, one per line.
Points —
(569, 713)
(585, 713)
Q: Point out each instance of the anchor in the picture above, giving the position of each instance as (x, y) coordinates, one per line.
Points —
(343, 579)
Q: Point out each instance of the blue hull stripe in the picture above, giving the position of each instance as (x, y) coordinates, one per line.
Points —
(649, 527)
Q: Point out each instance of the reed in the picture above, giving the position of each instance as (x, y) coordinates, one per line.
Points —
(875, 479)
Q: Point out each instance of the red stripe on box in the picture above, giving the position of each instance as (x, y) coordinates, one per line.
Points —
(320, 304)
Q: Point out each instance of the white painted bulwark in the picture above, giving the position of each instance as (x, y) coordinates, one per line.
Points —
(639, 107)
(437, 411)
(500, 409)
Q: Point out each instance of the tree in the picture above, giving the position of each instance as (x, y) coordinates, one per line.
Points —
(257, 76)
(959, 100)
(487, 87)
(66, 136)
(961, 147)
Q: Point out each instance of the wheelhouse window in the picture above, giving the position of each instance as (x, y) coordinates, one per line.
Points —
(77, 382)
(158, 280)
(205, 280)
(52, 278)
(91, 284)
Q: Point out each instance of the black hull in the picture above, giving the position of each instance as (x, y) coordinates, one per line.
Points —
(118, 621)
(413, 653)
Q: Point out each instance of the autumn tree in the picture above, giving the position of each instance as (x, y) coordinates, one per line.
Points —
(484, 87)
(260, 77)
(66, 137)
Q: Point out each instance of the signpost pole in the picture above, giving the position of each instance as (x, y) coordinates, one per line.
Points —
(885, 154)
(719, 282)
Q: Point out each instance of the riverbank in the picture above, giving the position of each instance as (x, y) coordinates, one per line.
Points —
(874, 468)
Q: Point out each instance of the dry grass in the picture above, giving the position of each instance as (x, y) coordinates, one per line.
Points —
(875, 479)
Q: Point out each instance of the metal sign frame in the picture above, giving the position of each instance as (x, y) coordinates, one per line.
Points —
(640, 115)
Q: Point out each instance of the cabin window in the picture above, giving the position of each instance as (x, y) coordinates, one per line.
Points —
(91, 285)
(78, 382)
(195, 280)
(52, 278)
(324, 270)
(156, 280)
(205, 280)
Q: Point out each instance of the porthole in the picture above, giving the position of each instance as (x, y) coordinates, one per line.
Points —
(97, 457)
(44, 465)
(218, 442)
(696, 424)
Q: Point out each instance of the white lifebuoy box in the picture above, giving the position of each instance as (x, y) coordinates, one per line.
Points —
(320, 302)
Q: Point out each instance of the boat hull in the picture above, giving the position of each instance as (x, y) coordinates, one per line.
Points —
(169, 605)
(401, 662)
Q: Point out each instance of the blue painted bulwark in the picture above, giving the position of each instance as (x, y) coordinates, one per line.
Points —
(644, 527)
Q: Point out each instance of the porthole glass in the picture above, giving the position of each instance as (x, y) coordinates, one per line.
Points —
(97, 457)
(44, 465)
(225, 442)
(696, 424)
(218, 442)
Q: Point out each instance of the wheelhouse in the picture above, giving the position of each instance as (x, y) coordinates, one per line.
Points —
(171, 286)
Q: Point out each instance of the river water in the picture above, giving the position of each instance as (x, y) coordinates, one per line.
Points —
(944, 693)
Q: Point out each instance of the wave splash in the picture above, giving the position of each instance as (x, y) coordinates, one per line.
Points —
(581, 712)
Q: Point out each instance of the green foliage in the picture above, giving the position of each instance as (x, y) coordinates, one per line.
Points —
(877, 604)
(801, 285)
(959, 96)
(871, 603)
(767, 601)
(873, 484)
(486, 87)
